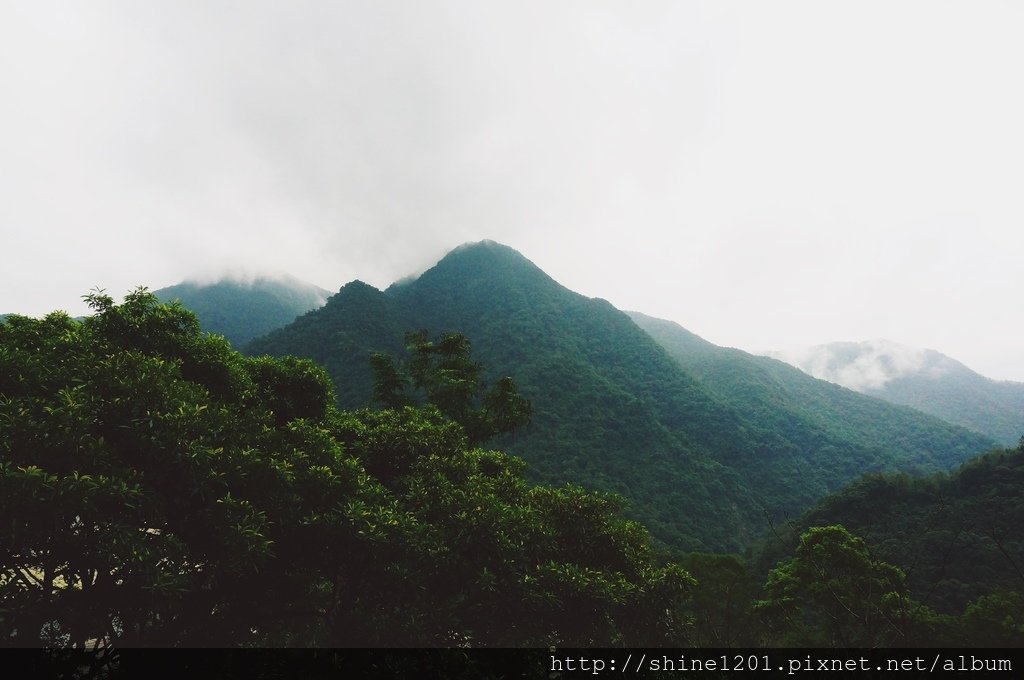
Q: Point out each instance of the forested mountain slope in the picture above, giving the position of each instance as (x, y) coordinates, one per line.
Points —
(923, 379)
(956, 535)
(793, 404)
(340, 336)
(612, 410)
(243, 310)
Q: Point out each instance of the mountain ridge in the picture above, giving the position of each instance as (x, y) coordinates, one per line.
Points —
(612, 408)
(241, 310)
(771, 387)
(920, 378)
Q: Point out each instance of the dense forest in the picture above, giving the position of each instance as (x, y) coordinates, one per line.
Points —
(243, 310)
(616, 411)
(892, 560)
(957, 535)
(152, 479)
(923, 379)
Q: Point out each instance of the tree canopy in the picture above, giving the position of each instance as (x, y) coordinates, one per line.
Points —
(682, 431)
(160, 489)
(445, 376)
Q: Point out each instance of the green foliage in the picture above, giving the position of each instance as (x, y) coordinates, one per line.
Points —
(356, 322)
(560, 564)
(241, 311)
(449, 380)
(720, 606)
(995, 620)
(933, 383)
(701, 455)
(152, 480)
(147, 479)
(158, 488)
(818, 432)
(957, 536)
(833, 593)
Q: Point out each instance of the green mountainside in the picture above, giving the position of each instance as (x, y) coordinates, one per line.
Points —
(241, 311)
(340, 336)
(994, 408)
(923, 379)
(136, 445)
(956, 535)
(612, 410)
(841, 423)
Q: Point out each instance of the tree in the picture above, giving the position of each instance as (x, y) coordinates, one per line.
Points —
(159, 489)
(720, 605)
(442, 373)
(832, 593)
(994, 620)
(151, 477)
(559, 564)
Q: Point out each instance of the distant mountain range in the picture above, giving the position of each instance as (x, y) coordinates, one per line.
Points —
(921, 378)
(789, 400)
(703, 454)
(243, 310)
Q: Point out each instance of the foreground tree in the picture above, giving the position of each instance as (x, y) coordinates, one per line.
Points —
(995, 620)
(158, 488)
(833, 593)
(151, 478)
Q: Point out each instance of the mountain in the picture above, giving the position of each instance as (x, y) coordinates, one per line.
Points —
(340, 336)
(956, 535)
(923, 379)
(243, 310)
(612, 409)
(796, 405)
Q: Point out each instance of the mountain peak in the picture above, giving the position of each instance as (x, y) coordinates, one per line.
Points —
(358, 285)
(487, 265)
(482, 244)
(241, 309)
(353, 290)
(487, 252)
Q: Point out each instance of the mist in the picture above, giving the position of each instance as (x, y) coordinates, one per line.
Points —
(770, 176)
(868, 365)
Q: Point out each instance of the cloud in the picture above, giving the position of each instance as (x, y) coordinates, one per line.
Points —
(769, 175)
(865, 366)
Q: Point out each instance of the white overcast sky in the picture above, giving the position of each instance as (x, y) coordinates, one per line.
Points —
(769, 174)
